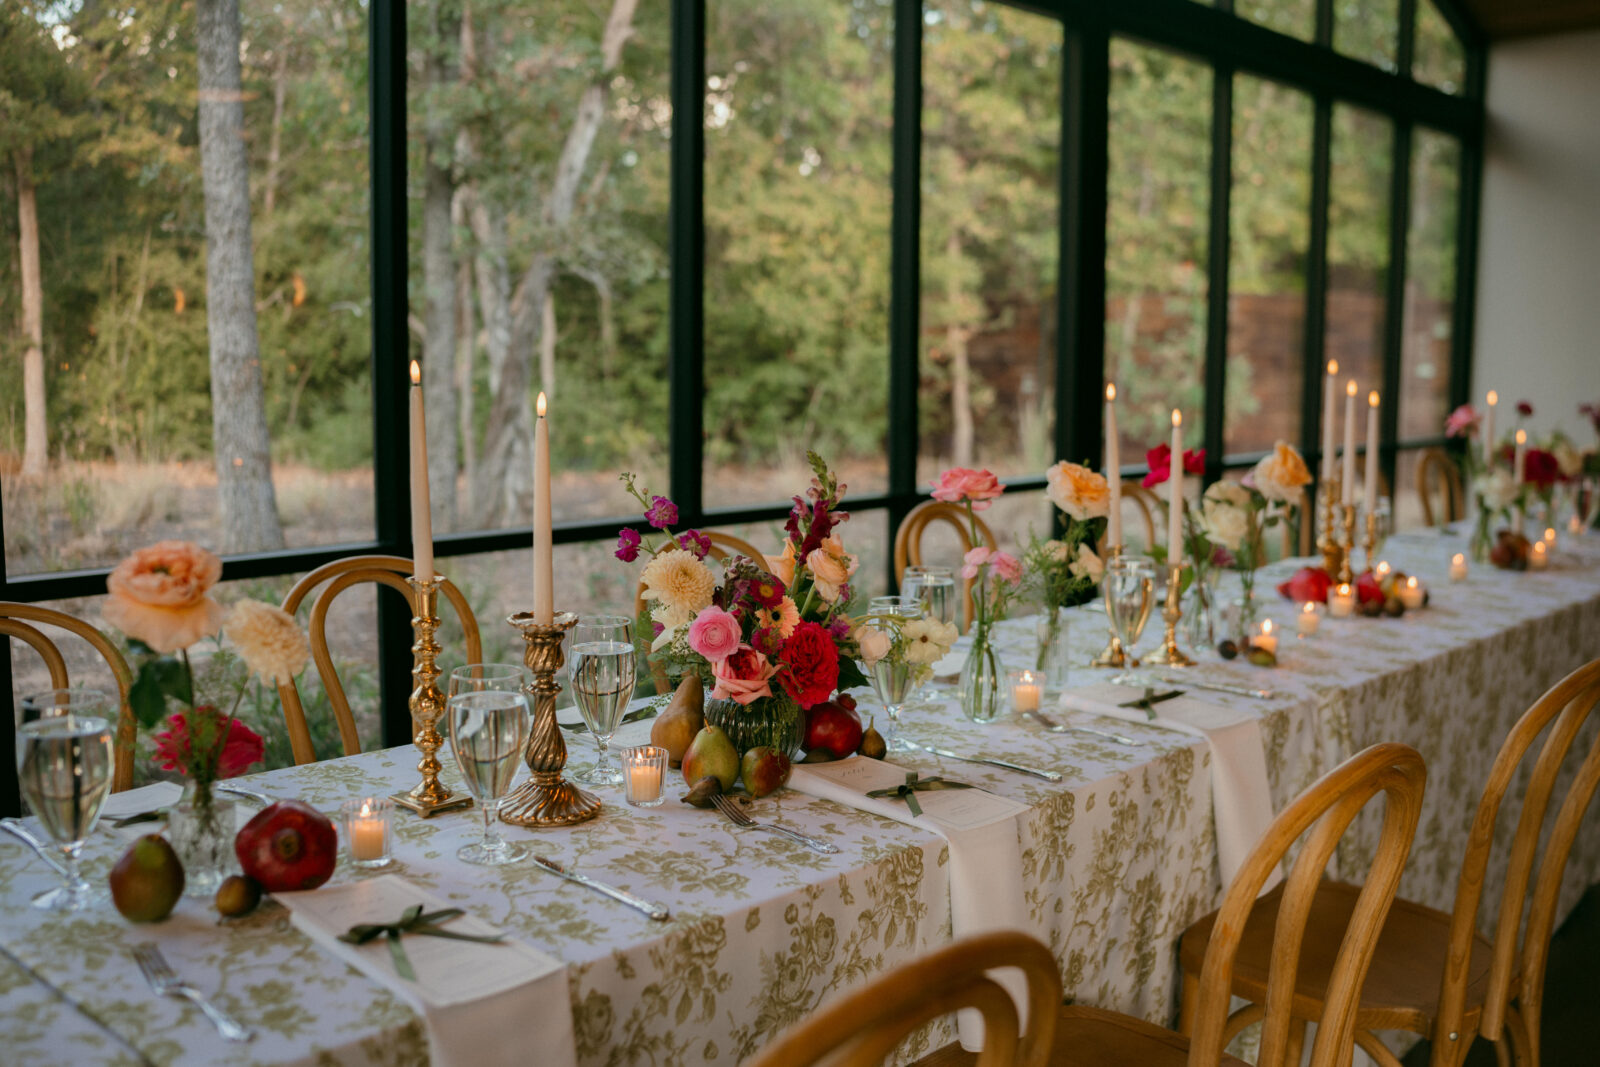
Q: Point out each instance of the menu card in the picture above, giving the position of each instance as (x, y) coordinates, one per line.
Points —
(848, 781)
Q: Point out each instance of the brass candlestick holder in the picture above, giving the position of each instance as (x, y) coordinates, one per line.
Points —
(1113, 655)
(1370, 541)
(429, 797)
(546, 799)
(1333, 560)
(1169, 653)
(1346, 575)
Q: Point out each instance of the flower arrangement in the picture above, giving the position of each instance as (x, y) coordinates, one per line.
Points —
(1236, 516)
(774, 629)
(1063, 571)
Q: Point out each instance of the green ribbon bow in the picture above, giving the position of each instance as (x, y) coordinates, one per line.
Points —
(412, 921)
(1150, 699)
(914, 785)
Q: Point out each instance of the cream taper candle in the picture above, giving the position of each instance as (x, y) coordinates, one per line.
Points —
(1113, 470)
(543, 568)
(1348, 490)
(1488, 429)
(1330, 411)
(1175, 493)
(421, 509)
(1369, 492)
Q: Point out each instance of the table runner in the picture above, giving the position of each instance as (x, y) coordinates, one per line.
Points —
(1115, 861)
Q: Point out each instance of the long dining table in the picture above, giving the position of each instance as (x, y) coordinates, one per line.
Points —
(1115, 860)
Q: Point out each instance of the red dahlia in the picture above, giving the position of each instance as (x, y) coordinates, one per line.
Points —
(810, 665)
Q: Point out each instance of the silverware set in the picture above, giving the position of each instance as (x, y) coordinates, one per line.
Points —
(165, 981)
(1060, 728)
(1049, 776)
(739, 817)
(658, 912)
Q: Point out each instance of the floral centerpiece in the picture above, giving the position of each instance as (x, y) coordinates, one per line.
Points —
(768, 638)
(899, 652)
(1236, 515)
(1064, 571)
(996, 577)
(1200, 556)
(1493, 487)
(160, 598)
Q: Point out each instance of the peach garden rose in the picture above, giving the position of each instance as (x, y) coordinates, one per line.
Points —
(158, 595)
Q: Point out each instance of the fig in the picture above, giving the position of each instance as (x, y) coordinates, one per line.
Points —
(700, 794)
(237, 895)
(872, 743)
(674, 728)
(1370, 608)
(764, 770)
(1227, 649)
(711, 753)
(1263, 657)
(147, 881)
(1393, 607)
(288, 846)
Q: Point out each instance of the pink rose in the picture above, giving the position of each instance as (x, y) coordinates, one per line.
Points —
(960, 483)
(1007, 566)
(742, 676)
(714, 634)
(974, 559)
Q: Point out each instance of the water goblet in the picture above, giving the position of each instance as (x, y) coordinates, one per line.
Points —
(603, 665)
(894, 677)
(489, 678)
(76, 700)
(488, 731)
(1129, 587)
(64, 767)
(935, 587)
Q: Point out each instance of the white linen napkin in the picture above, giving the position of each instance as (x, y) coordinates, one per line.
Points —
(480, 1000)
(985, 860)
(1240, 796)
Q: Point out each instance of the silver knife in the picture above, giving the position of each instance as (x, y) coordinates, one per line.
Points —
(657, 912)
(243, 791)
(1190, 682)
(15, 828)
(1060, 728)
(1049, 776)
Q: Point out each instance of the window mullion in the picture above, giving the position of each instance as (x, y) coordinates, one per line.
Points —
(1394, 300)
(686, 360)
(1217, 249)
(905, 262)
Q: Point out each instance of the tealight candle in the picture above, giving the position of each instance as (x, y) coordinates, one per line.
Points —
(368, 823)
(1266, 638)
(1342, 601)
(1458, 567)
(1539, 558)
(1381, 571)
(1550, 537)
(1411, 593)
(1309, 618)
(1027, 688)
(1575, 524)
(643, 769)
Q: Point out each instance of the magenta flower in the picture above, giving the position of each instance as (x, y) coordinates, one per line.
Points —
(714, 634)
(1462, 422)
(961, 483)
(628, 542)
(662, 513)
(696, 542)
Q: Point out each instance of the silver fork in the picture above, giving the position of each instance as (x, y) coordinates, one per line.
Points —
(159, 973)
(738, 817)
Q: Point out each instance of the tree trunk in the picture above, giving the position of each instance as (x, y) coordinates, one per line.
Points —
(466, 347)
(280, 93)
(547, 345)
(247, 503)
(439, 277)
(956, 335)
(35, 442)
(607, 315)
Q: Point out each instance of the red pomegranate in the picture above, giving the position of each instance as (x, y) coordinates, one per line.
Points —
(288, 846)
(834, 727)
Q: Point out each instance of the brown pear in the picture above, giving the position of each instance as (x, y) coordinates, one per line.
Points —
(674, 728)
(872, 743)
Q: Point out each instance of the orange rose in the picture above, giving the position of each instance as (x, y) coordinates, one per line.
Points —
(1078, 491)
(158, 595)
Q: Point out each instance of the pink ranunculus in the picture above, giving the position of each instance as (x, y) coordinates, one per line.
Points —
(1462, 422)
(974, 559)
(743, 677)
(1007, 566)
(962, 483)
(714, 634)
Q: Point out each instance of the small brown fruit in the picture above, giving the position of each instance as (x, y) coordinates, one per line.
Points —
(1394, 607)
(1262, 657)
(238, 895)
(147, 881)
(1227, 649)
(700, 794)
(872, 743)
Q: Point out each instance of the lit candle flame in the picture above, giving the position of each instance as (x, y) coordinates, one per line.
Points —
(1350, 387)
(1372, 399)
(416, 373)
(1266, 627)
(540, 405)
(1333, 367)
(1411, 583)
(1177, 417)
(1522, 437)
(1111, 390)
(1494, 398)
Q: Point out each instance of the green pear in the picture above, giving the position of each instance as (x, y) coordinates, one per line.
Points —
(711, 754)
(764, 770)
(147, 881)
(674, 728)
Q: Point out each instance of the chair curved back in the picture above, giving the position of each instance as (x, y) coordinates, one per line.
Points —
(1435, 467)
(1326, 809)
(16, 620)
(722, 546)
(908, 542)
(340, 575)
(1566, 705)
(863, 1027)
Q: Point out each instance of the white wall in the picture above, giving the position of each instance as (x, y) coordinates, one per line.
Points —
(1538, 308)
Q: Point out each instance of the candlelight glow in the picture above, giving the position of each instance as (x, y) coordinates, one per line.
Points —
(1333, 367)
(1111, 390)
(416, 373)
(1350, 387)
(1372, 399)
(1411, 583)
(1522, 437)
(1494, 398)
(1177, 417)
(539, 406)
(1266, 627)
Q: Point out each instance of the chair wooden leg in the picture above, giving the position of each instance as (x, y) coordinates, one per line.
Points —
(1379, 1052)
(1297, 1042)
(1187, 999)
(1524, 1039)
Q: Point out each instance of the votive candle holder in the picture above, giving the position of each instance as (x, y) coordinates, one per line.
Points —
(644, 770)
(1027, 690)
(369, 831)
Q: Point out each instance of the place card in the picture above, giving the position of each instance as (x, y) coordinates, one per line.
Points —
(448, 971)
(847, 781)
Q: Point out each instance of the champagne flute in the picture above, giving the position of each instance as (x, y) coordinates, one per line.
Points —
(603, 668)
(64, 767)
(1129, 585)
(894, 678)
(488, 731)
(935, 587)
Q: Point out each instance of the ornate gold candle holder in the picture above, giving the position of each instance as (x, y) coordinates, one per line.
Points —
(1169, 653)
(429, 797)
(1370, 542)
(546, 799)
(1333, 560)
(1113, 655)
(1345, 572)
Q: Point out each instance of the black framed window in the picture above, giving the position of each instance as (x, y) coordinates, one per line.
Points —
(910, 233)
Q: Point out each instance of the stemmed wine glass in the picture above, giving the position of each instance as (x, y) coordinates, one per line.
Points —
(603, 668)
(77, 700)
(894, 678)
(488, 731)
(935, 587)
(1129, 585)
(64, 767)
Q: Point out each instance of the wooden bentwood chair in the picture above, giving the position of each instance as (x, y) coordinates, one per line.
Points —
(340, 575)
(908, 542)
(1435, 467)
(864, 1026)
(17, 620)
(1145, 507)
(722, 546)
(1433, 973)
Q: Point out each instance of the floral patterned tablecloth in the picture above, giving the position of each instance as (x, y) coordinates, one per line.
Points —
(1117, 859)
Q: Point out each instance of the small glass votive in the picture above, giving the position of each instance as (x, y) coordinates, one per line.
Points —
(1381, 571)
(1458, 567)
(1550, 537)
(1539, 558)
(1027, 690)
(1308, 619)
(369, 830)
(1265, 637)
(1342, 601)
(1411, 594)
(643, 770)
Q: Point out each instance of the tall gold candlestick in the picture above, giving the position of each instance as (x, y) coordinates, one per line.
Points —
(1169, 653)
(429, 797)
(1370, 541)
(1113, 655)
(546, 799)
(1332, 551)
(1345, 572)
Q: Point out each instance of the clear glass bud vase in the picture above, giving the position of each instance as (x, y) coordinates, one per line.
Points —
(200, 828)
(980, 680)
(1053, 659)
